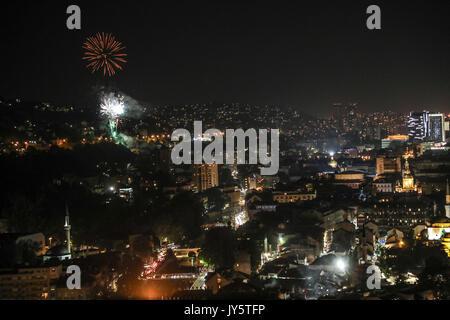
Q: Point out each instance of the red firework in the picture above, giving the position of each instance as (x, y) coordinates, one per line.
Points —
(103, 51)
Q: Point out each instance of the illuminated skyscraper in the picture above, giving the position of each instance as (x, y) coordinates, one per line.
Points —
(437, 128)
(418, 125)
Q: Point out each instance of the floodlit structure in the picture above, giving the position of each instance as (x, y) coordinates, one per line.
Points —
(418, 125)
(437, 129)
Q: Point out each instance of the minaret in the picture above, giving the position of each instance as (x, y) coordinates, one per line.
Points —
(447, 201)
(67, 229)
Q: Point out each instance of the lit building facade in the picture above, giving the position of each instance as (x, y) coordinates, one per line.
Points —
(293, 196)
(349, 179)
(387, 165)
(206, 176)
(418, 125)
(437, 128)
(426, 126)
(403, 214)
(29, 283)
(383, 186)
(438, 229)
(446, 244)
(393, 141)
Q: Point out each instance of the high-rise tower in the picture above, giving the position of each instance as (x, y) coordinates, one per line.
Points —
(418, 125)
(206, 176)
(437, 127)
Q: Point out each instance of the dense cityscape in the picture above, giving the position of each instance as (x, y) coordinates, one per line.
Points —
(353, 190)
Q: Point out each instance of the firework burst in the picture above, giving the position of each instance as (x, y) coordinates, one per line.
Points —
(104, 52)
(112, 106)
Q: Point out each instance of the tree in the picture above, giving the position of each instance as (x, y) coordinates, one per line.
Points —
(179, 220)
(143, 247)
(225, 177)
(253, 250)
(435, 269)
(216, 199)
(25, 253)
(166, 227)
(24, 216)
(383, 261)
(218, 248)
(436, 275)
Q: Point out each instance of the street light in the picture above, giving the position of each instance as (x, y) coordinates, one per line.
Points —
(341, 265)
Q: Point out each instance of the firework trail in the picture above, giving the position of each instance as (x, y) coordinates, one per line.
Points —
(112, 107)
(104, 52)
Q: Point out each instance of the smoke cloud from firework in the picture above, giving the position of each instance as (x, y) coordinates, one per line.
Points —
(115, 106)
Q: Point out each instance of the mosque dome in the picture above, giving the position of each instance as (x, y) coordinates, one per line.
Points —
(57, 251)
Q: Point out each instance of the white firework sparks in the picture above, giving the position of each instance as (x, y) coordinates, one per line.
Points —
(112, 106)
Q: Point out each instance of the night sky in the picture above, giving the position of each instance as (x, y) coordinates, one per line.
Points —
(284, 53)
